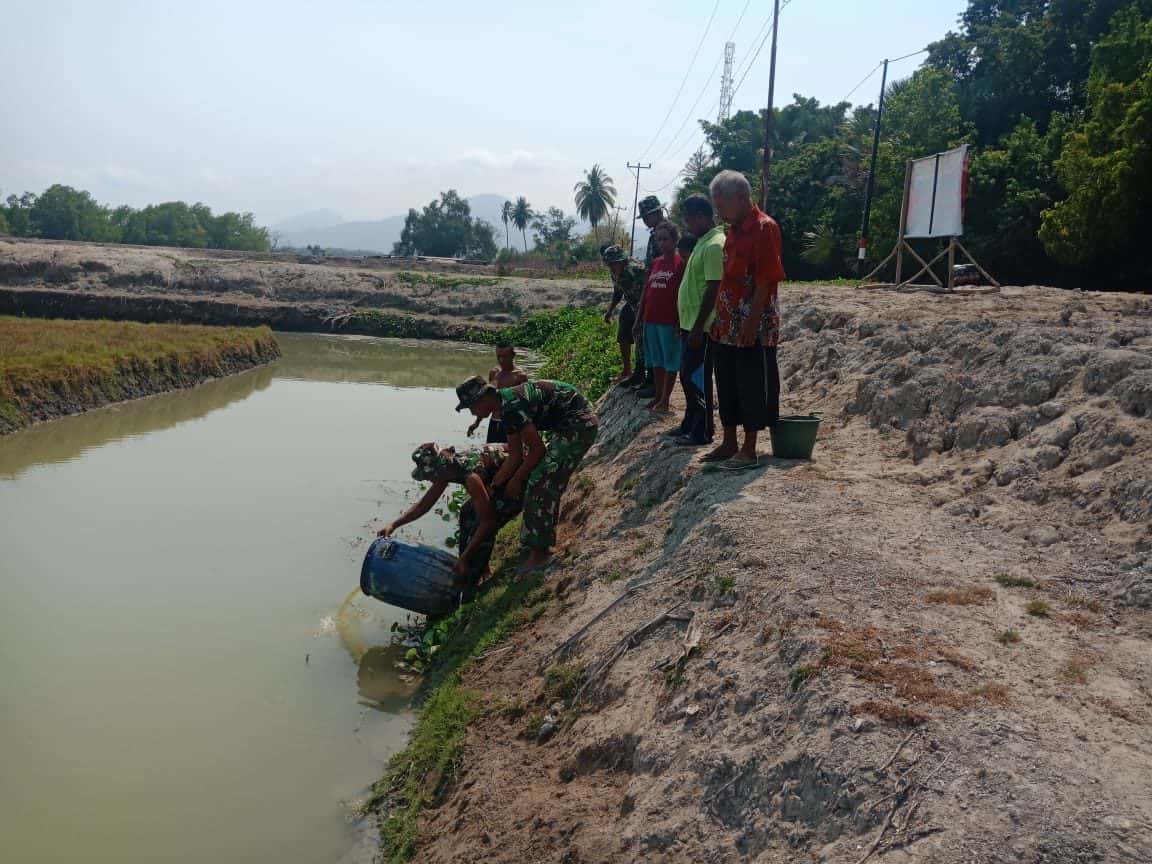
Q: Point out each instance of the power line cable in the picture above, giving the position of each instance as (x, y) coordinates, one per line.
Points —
(684, 80)
(762, 35)
(691, 111)
(759, 48)
(864, 80)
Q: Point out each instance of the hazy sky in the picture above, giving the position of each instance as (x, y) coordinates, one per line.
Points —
(368, 107)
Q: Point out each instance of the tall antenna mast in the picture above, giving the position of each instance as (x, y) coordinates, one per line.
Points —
(726, 83)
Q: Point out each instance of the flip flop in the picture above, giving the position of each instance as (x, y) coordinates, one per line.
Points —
(738, 465)
(712, 457)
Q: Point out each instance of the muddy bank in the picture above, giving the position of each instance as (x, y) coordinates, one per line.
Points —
(290, 318)
(367, 297)
(928, 644)
(130, 361)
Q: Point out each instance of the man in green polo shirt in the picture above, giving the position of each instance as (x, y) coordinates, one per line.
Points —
(696, 301)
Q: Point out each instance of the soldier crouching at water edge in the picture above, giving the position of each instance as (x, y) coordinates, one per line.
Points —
(537, 468)
(481, 517)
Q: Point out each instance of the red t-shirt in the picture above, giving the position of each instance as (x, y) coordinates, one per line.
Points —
(662, 290)
(751, 260)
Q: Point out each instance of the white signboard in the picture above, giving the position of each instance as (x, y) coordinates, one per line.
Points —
(936, 195)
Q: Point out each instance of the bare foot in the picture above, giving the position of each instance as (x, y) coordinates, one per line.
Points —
(652, 404)
(662, 408)
(536, 559)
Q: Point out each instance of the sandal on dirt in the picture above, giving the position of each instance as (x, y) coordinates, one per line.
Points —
(738, 464)
(714, 457)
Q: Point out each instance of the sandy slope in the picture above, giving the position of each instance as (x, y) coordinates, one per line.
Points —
(839, 605)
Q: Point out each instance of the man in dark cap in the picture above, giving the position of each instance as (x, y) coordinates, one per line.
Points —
(628, 277)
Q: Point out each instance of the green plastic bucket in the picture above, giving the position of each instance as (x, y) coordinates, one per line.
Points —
(793, 437)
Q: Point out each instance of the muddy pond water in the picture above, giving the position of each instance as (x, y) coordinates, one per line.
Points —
(181, 679)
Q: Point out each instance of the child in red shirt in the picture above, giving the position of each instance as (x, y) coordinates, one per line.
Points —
(660, 315)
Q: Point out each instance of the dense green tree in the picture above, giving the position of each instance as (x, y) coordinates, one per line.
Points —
(1106, 164)
(1013, 58)
(522, 216)
(595, 196)
(18, 214)
(445, 229)
(64, 213)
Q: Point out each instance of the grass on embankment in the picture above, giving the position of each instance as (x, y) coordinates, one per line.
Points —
(49, 368)
(579, 348)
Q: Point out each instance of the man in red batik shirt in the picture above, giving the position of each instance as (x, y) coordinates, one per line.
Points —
(747, 327)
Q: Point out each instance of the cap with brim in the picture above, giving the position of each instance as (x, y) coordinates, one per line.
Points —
(614, 255)
(651, 204)
(471, 391)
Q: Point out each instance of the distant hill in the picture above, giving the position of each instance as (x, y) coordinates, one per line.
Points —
(326, 228)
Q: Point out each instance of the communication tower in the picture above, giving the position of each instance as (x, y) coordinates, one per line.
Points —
(726, 83)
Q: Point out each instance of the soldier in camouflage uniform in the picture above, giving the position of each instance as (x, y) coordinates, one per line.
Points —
(481, 517)
(652, 212)
(540, 467)
(628, 278)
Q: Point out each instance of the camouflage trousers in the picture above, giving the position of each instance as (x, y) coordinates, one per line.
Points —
(506, 510)
(548, 481)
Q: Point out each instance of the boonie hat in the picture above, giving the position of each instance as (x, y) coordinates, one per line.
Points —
(651, 204)
(614, 255)
(470, 392)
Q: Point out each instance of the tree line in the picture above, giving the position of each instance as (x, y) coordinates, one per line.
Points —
(1055, 101)
(445, 227)
(64, 213)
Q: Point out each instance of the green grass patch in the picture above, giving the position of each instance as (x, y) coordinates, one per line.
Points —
(562, 681)
(417, 775)
(1039, 609)
(799, 676)
(50, 366)
(724, 584)
(1008, 637)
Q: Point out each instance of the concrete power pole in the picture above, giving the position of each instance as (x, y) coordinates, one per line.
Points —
(635, 202)
(768, 117)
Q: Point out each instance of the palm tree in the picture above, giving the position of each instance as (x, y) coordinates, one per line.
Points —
(506, 217)
(522, 216)
(595, 196)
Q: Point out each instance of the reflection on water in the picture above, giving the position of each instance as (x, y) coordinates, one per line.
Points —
(398, 362)
(395, 362)
(68, 437)
(176, 665)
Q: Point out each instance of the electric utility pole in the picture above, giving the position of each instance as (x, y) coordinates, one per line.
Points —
(636, 200)
(862, 249)
(768, 118)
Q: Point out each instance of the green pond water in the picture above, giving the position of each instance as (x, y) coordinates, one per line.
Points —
(181, 679)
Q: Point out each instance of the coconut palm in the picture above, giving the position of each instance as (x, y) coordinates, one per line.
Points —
(595, 196)
(522, 216)
(506, 217)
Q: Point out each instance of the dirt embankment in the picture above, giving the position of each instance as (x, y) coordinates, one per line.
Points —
(932, 643)
(51, 369)
(370, 297)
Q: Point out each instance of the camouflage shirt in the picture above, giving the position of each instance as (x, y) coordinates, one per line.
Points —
(629, 285)
(651, 253)
(485, 461)
(550, 406)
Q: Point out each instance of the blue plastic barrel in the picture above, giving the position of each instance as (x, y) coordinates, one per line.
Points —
(412, 576)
